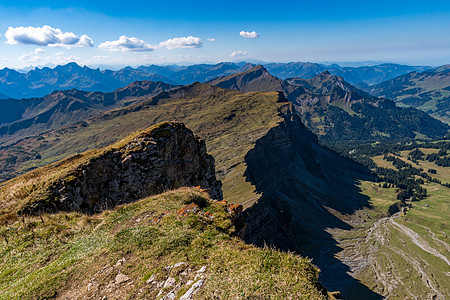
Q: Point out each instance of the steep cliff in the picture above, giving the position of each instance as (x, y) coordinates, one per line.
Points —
(164, 157)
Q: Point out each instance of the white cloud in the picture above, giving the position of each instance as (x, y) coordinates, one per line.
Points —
(125, 43)
(212, 40)
(45, 36)
(249, 35)
(182, 42)
(38, 51)
(136, 45)
(239, 53)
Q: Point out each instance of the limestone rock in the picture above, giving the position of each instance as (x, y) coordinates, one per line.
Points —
(164, 157)
(121, 278)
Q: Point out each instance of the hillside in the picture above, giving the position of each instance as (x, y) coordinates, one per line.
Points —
(428, 91)
(182, 225)
(22, 118)
(407, 249)
(235, 127)
(176, 244)
(337, 111)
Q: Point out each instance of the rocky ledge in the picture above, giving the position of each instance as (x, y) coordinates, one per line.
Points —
(164, 157)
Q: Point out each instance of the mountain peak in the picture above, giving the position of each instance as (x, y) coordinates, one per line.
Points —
(69, 66)
(258, 67)
(254, 79)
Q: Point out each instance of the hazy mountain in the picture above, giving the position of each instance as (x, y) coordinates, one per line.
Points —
(201, 72)
(40, 82)
(428, 91)
(362, 76)
(337, 111)
(21, 118)
(254, 79)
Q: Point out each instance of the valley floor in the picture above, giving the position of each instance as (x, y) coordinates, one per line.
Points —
(402, 256)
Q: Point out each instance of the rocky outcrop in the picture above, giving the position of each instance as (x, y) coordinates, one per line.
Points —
(164, 157)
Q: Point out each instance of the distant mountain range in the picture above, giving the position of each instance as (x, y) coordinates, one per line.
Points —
(428, 91)
(42, 81)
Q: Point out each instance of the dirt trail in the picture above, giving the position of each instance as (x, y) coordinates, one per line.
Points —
(433, 236)
(419, 241)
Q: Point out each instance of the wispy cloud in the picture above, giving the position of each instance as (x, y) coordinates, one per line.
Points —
(59, 57)
(249, 35)
(211, 40)
(45, 36)
(239, 53)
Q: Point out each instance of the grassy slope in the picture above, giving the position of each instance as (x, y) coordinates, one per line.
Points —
(69, 255)
(429, 89)
(205, 112)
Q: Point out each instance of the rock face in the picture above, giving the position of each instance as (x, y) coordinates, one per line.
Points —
(165, 157)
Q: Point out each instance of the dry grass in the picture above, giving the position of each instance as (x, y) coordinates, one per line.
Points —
(61, 255)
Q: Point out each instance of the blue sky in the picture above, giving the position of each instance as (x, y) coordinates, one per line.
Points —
(113, 33)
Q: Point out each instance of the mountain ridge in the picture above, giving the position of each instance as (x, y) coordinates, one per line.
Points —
(41, 81)
(428, 91)
(337, 111)
(60, 108)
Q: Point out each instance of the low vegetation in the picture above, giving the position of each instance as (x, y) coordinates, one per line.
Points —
(156, 246)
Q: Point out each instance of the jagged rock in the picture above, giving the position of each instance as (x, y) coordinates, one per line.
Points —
(172, 294)
(164, 157)
(151, 279)
(120, 262)
(169, 282)
(194, 288)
